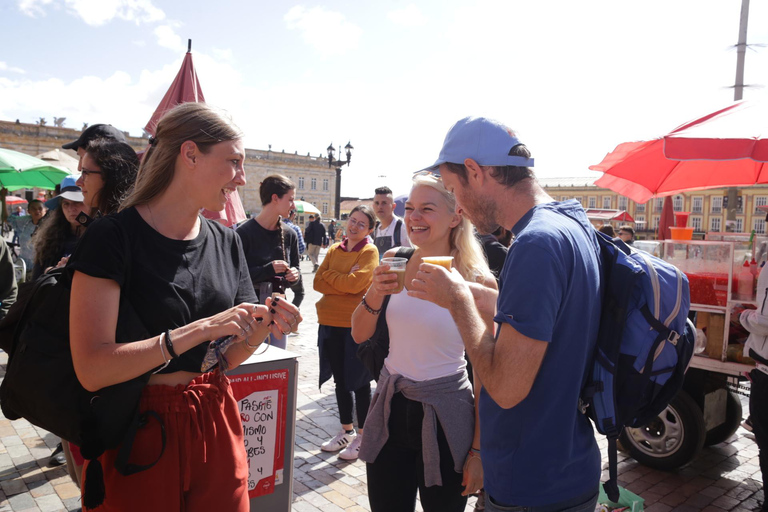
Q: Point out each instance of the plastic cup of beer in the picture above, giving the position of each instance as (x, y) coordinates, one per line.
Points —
(397, 267)
(444, 261)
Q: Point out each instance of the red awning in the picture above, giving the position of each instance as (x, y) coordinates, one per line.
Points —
(605, 215)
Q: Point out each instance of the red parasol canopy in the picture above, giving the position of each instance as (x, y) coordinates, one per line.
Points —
(726, 148)
(186, 88)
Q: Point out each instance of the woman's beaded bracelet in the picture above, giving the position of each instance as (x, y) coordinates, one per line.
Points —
(369, 308)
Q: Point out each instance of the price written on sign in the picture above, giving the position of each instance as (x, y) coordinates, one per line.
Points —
(258, 412)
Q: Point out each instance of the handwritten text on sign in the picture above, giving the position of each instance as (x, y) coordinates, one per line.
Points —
(261, 398)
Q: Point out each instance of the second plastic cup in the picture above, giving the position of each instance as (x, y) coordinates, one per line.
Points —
(444, 261)
(397, 267)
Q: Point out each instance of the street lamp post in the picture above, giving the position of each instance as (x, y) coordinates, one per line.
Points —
(338, 164)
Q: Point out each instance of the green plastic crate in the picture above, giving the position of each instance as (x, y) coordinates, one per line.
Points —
(626, 499)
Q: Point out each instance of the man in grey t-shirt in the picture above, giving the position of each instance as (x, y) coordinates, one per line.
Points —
(390, 230)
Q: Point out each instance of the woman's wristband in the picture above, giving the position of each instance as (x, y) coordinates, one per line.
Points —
(169, 345)
(368, 308)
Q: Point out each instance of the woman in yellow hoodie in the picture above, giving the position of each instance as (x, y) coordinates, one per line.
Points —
(343, 277)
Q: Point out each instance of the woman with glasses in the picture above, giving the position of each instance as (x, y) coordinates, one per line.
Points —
(422, 430)
(186, 281)
(342, 278)
(108, 171)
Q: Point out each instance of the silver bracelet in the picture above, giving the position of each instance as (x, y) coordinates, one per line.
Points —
(162, 351)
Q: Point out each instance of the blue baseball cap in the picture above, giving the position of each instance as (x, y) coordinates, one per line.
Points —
(484, 140)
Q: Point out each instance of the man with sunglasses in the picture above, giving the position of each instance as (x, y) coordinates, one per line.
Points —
(538, 451)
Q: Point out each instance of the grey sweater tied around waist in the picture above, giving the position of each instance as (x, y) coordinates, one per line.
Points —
(448, 400)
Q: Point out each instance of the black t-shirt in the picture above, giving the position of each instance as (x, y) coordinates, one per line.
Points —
(263, 246)
(170, 283)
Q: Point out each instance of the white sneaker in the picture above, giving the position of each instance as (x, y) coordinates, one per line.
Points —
(352, 451)
(339, 441)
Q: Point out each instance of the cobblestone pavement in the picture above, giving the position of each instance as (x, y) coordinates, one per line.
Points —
(723, 477)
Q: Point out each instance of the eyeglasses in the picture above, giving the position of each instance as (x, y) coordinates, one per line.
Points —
(86, 172)
(360, 225)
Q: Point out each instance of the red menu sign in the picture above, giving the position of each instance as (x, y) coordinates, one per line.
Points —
(262, 398)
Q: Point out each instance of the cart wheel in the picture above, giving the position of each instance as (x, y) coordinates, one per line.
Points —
(672, 439)
(732, 421)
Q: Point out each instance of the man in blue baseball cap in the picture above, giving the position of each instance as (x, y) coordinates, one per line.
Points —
(538, 450)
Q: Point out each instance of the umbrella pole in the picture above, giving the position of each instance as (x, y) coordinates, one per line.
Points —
(738, 93)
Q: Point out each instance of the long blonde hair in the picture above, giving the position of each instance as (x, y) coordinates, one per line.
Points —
(468, 256)
(196, 122)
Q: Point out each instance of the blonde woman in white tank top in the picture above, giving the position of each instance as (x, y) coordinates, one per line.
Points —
(423, 388)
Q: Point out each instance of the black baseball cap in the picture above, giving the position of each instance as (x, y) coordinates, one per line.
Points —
(96, 131)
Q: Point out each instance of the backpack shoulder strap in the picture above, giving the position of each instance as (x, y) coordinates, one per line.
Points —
(405, 252)
(398, 227)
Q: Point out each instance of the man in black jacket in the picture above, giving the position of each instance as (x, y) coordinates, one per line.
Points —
(315, 238)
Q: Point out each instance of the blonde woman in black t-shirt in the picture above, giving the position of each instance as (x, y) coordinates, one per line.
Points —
(187, 281)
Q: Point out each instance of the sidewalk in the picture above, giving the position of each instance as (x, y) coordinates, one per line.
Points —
(724, 477)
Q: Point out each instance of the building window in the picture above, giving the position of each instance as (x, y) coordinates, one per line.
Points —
(563, 198)
(301, 182)
(716, 206)
(760, 201)
(759, 226)
(715, 223)
(640, 208)
(622, 203)
(578, 198)
(739, 224)
(592, 202)
(677, 203)
(606, 202)
(655, 222)
(696, 223)
(325, 208)
(325, 185)
(697, 204)
(640, 222)
(313, 184)
(658, 204)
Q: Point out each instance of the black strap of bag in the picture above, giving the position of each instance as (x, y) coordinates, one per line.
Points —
(374, 350)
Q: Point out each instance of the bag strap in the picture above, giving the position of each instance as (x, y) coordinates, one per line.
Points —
(121, 462)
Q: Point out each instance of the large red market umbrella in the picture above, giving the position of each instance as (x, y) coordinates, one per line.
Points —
(185, 88)
(727, 148)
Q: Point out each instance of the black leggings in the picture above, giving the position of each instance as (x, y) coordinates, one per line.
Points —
(334, 350)
(758, 412)
(398, 471)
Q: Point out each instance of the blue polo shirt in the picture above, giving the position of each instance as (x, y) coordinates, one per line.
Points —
(543, 450)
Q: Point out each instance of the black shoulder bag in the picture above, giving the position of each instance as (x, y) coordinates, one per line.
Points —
(374, 350)
(41, 386)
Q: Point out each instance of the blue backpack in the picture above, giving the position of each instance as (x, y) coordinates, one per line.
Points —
(644, 344)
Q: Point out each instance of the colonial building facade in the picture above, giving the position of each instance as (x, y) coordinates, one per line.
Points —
(315, 182)
(707, 207)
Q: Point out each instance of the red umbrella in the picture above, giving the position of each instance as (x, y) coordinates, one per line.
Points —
(185, 88)
(667, 219)
(722, 149)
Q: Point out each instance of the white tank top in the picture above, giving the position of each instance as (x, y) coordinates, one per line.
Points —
(424, 342)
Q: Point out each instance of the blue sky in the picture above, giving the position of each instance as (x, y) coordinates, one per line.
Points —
(573, 78)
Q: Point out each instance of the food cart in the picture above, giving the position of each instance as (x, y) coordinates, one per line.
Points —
(707, 410)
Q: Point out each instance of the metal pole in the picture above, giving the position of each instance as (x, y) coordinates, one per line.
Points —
(338, 193)
(738, 93)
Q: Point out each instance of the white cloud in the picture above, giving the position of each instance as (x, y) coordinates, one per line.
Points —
(328, 32)
(99, 12)
(408, 16)
(168, 38)
(5, 67)
(33, 8)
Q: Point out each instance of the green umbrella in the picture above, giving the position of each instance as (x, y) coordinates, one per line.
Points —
(18, 170)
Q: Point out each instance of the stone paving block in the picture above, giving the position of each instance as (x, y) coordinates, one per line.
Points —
(12, 487)
(337, 498)
(303, 506)
(50, 503)
(73, 504)
(40, 488)
(67, 490)
(726, 502)
(331, 507)
(22, 502)
(315, 499)
(658, 507)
